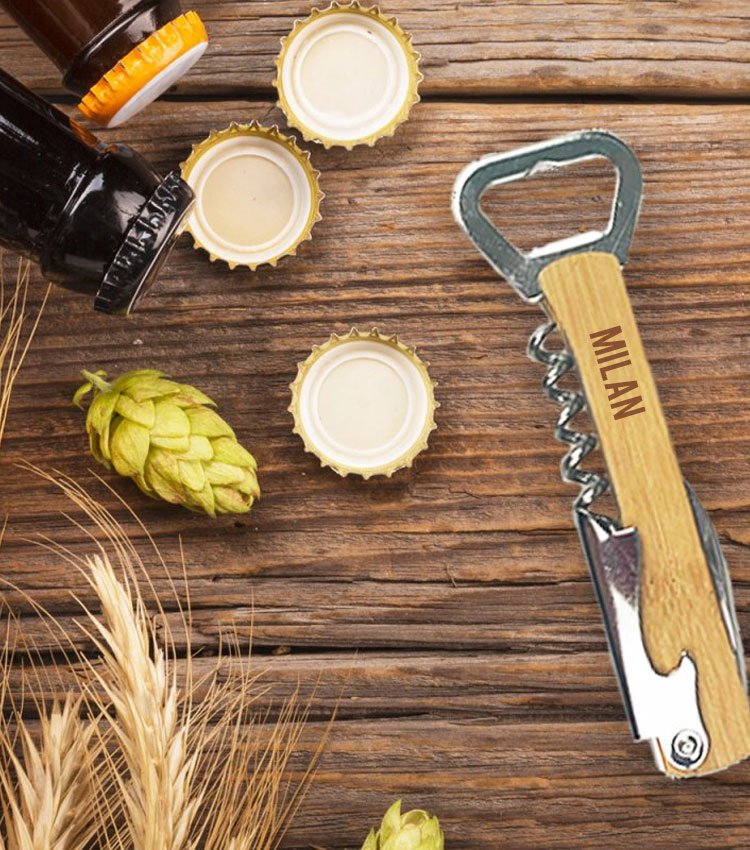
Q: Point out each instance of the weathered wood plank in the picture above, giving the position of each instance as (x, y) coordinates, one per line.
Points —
(560, 617)
(692, 48)
(521, 786)
(557, 617)
(508, 686)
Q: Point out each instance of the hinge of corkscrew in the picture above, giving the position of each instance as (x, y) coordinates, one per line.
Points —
(661, 708)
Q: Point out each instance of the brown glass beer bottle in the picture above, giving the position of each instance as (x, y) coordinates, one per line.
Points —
(117, 55)
(96, 217)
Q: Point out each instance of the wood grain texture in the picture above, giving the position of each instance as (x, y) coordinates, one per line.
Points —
(451, 603)
(693, 48)
(679, 611)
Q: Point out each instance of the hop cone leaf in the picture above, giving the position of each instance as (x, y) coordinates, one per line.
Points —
(415, 830)
(166, 437)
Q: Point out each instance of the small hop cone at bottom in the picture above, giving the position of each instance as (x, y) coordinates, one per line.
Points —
(166, 437)
(415, 830)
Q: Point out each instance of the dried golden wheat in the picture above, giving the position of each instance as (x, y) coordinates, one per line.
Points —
(46, 798)
(149, 723)
(179, 763)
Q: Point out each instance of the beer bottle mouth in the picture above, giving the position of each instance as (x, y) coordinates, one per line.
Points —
(145, 246)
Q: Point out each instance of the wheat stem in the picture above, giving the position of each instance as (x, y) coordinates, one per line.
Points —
(13, 347)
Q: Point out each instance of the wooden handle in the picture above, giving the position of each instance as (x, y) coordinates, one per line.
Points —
(586, 296)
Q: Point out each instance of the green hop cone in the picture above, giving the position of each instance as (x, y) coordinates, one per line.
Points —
(415, 830)
(165, 437)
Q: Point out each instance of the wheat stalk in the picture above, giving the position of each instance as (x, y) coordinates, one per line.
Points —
(5, 661)
(247, 801)
(46, 803)
(189, 764)
(14, 344)
(47, 780)
(43, 806)
(253, 800)
(151, 730)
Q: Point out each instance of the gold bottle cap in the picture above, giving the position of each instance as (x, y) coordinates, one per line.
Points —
(347, 75)
(257, 195)
(146, 72)
(364, 404)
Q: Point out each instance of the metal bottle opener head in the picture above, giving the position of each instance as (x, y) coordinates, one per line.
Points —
(662, 707)
(522, 270)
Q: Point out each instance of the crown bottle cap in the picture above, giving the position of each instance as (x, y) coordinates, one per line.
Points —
(347, 75)
(146, 72)
(257, 195)
(364, 404)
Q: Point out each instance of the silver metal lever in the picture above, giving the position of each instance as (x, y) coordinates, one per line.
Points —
(522, 270)
(661, 709)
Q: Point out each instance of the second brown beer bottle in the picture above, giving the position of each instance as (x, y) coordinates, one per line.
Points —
(117, 55)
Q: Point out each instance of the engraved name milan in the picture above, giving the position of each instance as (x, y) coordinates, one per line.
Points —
(611, 352)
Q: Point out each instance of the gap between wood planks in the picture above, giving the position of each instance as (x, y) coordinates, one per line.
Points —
(263, 95)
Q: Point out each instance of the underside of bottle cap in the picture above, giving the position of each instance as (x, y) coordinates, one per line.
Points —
(146, 72)
(364, 404)
(257, 195)
(347, 75)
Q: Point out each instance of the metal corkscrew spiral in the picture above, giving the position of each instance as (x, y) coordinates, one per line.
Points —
(559, 363)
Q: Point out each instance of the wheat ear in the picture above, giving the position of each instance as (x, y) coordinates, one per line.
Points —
(46, 805)
(149, 725)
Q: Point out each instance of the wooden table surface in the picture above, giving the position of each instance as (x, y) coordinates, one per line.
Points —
(450, 604)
